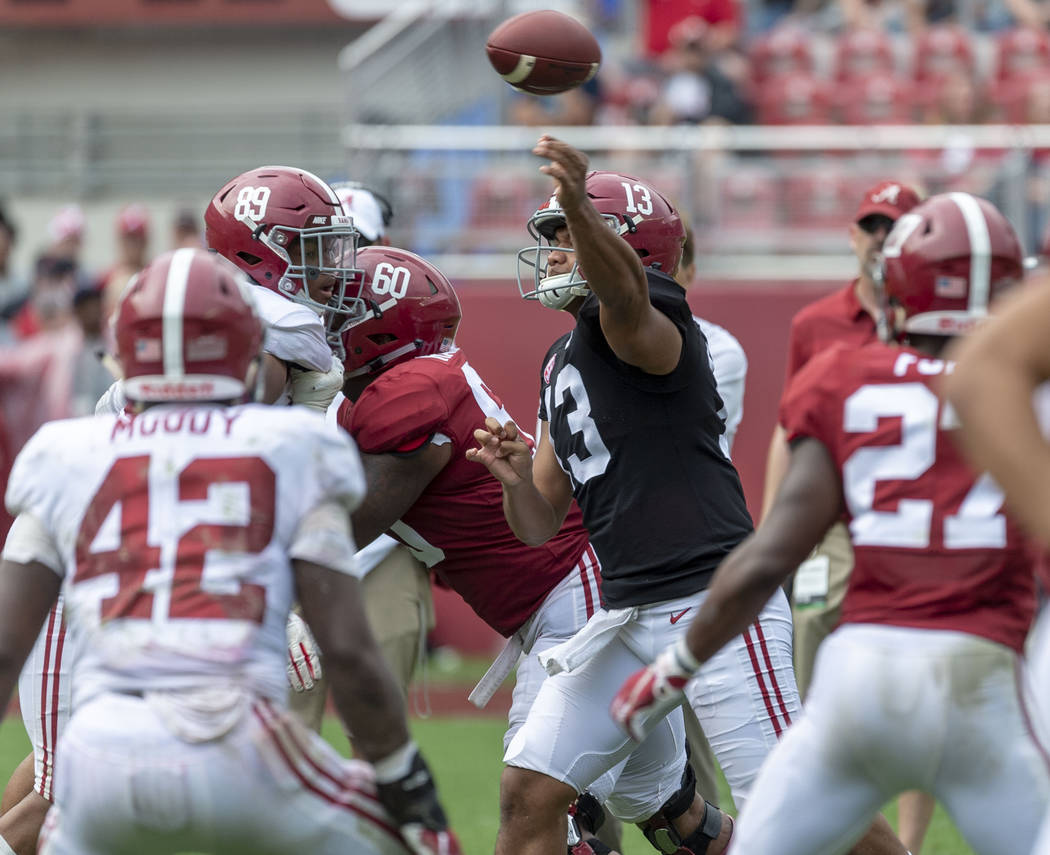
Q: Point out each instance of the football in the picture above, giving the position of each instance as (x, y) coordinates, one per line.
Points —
(543, 52)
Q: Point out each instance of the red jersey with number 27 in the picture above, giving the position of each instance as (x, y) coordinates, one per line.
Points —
(457, 526)
(932, 545)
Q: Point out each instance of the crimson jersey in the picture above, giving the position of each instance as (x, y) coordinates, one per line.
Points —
(932, 546)
(457, 526)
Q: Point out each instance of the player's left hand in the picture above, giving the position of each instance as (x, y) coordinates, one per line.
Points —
(304, 659)
(503, 451)
(316, 389)
(568, 167)
(649, 693)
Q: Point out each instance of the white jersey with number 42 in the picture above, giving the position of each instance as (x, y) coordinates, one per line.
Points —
(173, 530)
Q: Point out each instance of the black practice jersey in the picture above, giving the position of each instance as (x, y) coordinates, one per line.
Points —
(662, 503)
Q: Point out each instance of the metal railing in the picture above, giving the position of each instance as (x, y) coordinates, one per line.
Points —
(752, 193)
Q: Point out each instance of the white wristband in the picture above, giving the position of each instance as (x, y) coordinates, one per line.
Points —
(684, 658)
(397, 765)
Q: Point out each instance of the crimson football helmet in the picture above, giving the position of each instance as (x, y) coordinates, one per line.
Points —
(945, 261)
(186, 330)
(633, 209)
(410, 310)
(286, 229)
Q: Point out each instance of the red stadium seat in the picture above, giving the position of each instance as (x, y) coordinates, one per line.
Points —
(783, 50)
(880, 98)
(1022, 98)
(824, 199)
(941, 52)
(859, 53)
(747, 199)
(1021, 51)
(506, 201)
(798, 98)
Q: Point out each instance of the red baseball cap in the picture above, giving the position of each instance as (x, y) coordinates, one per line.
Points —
(889, 198)
(133, 219)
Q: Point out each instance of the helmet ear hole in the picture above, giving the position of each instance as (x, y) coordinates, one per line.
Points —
(248, 258)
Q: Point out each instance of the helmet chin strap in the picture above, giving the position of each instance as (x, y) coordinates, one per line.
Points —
(376, 365)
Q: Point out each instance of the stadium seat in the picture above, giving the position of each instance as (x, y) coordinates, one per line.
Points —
(823, 198)
(859, 53)
(1021, 98)
(879, 98)
(798, 98)
(940, 52)
(1021, 51)
(784, 50)
(747, 199)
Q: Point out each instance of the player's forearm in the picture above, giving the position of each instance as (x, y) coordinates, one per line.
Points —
(612, 268)
(530, 515)
(370, 703)
(1000, 434)
(741, 588)
(777, 459)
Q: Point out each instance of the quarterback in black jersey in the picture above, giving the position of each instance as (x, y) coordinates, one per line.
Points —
(629, 427)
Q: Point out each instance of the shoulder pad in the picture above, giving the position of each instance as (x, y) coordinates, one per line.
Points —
(397, 410)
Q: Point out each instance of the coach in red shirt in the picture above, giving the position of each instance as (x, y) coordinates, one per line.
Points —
(849, 315)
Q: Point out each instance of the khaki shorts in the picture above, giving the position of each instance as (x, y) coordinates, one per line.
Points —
(816, 601)
(400, 612)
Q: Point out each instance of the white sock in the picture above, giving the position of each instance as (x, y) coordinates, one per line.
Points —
(5, 848)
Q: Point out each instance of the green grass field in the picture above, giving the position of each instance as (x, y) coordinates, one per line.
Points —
(465, 756)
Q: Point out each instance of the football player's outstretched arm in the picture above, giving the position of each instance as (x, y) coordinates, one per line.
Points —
(27, 593)
(395, 481)
(637, 332)
(365, 692)
(369, 701)
(536, 492)
(808, 502)
(999, 365)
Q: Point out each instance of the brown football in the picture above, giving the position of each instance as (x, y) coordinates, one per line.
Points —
(543, 52)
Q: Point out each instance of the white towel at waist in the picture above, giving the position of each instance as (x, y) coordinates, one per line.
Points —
(602, 628)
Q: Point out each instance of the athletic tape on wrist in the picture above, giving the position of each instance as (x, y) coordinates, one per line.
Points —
(396, 765)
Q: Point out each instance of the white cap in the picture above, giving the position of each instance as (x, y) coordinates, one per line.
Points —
(364, 208)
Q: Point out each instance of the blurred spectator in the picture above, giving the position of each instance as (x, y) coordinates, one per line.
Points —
(132, 227)
(723, 17)
(698, 88)
(49, 304)
(911, 16)
(186, 230)
(66, 233)
(90, 376)
(12, 287)
(1030, 13)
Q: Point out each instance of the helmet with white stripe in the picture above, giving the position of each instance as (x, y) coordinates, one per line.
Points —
(287, 230)
(186, 330)
(945, 261)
